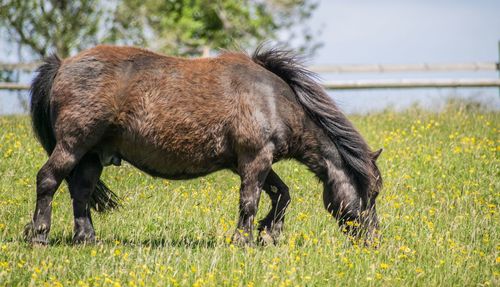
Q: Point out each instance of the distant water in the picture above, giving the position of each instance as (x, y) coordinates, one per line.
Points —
(368, 101)
(362, 102)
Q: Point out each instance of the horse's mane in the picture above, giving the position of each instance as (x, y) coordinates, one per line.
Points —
(321, 108)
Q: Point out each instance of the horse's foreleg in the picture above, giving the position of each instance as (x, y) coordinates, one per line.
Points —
(48, 179)
(253, 169)
(270, 227)
(81, 184)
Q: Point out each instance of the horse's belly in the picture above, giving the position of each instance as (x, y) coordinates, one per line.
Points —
(178, 156)
(174, 167)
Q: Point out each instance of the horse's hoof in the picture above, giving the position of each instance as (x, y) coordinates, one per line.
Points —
(30, 236)
(84, 239)
(39, 242)
(265, 238)
(28, 232)
(242, 239)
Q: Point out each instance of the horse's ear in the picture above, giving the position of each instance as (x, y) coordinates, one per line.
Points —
(376, 154)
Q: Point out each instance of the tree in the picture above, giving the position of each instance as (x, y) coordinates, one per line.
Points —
(191, 26)
(185, 27)
(44, 26)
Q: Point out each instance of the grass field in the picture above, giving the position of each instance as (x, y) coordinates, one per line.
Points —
(439, 213)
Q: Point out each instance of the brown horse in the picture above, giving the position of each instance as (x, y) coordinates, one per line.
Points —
(183, 118)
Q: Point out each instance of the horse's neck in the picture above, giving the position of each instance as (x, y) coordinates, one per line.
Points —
(322, 157)
(320, 154)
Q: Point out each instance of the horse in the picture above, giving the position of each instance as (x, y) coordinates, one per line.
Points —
(179, 118)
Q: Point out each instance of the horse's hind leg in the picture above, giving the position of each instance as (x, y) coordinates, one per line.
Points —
(74, 139)
(81, 184)
(270, 227)
(58, 167)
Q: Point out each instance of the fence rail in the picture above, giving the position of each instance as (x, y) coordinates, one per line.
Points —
(31, 66)
(14, 86)
(367, 84)
(463, 67)
(359, 84)
(412, 84)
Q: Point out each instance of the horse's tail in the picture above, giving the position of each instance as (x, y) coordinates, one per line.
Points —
(102, 198)
(319, 106)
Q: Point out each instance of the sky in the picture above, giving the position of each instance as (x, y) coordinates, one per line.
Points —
(407, 31)
(397, 32)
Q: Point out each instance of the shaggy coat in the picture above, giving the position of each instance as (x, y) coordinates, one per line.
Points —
(181, 118)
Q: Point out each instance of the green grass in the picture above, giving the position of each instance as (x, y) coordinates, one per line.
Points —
(439, 213)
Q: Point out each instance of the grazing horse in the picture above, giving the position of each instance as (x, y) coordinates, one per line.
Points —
(181, 118)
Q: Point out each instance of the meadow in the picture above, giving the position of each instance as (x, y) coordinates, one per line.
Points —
(439, 213)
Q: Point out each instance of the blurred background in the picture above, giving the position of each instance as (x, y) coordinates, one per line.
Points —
(349, 43)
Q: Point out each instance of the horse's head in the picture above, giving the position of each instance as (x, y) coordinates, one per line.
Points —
(369, 218)
(353, 201)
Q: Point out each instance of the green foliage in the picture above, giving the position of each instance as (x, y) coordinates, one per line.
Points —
(189, 26)
(51, 26)
(186, 27)
(439, 213)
